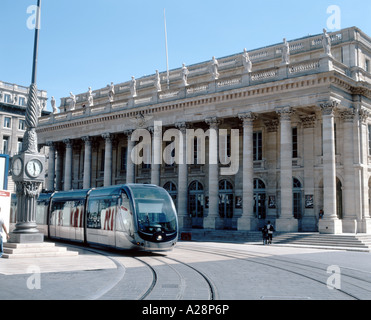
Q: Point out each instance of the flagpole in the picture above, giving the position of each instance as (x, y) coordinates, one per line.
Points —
(167, 55)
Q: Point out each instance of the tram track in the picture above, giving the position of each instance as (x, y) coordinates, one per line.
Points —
(317, 273)
(187, 281)
(191, 282)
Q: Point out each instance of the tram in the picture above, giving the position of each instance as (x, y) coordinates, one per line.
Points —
(131, 216)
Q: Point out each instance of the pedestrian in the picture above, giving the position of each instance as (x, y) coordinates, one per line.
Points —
(265, 235)
(2, 226)
(321, 214)
(270, 230)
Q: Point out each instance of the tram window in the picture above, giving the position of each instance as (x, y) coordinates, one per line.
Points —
(41, 210)
(64, 213)
(101, 214)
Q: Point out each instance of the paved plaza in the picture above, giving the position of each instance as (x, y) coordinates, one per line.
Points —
(193, 271)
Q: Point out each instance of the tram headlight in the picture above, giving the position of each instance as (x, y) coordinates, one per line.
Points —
(159, 237)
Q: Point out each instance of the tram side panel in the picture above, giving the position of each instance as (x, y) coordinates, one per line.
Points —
(101, 221)
(67, 220)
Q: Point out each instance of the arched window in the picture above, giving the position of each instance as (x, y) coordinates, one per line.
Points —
(260, 209)
(171, 189)
(225, 199)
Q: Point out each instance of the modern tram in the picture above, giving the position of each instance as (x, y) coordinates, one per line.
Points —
(131, 216)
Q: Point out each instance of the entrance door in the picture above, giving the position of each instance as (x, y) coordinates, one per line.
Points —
(260, 208)
(196, 201)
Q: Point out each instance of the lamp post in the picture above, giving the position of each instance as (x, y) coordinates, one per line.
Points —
(28, 167)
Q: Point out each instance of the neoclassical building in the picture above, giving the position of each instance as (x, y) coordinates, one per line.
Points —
(278, 133)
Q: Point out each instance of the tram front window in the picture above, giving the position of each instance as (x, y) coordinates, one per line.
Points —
(155, 210)
(152, 217)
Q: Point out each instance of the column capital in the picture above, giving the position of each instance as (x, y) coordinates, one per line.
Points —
(328, 107)
(272, 125)
(213, 122)
(182, 126)
(128, 132)
(68, 143)
(347, 115)
(107, 136)
(309, 121)
(51, 144)
(247, 118)
(285, 113)
(87, 140)
(364, 114)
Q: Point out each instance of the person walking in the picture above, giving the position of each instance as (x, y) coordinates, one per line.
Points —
(265, 235)
(2, 227)
(270, 230)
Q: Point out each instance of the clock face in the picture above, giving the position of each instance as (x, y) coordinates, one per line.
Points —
(17, 167)
(34, 168)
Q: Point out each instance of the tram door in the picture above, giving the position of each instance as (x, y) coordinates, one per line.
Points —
(124, 222)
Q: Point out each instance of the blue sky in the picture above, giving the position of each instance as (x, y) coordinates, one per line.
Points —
(91, 43)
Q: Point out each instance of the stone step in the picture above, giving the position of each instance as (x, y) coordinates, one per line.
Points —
(35, 250)
(362, 242)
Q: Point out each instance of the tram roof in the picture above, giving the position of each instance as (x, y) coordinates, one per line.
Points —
(76, 194)
(116, 190)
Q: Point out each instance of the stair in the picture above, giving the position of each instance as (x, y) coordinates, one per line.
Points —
(360, 242)
(35, 250)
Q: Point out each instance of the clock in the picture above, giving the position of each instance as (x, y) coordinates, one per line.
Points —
(34, 168)
(17, 167)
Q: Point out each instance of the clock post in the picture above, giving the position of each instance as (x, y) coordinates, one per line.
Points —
(28, 167)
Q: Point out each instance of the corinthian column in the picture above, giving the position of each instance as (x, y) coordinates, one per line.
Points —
(130, 164)
(286, 221)
(68, 165)
(209, 221)
(247, 221)
(184, 221)
(87, 163)
(330, 223)
(107, 159)
(51, 167)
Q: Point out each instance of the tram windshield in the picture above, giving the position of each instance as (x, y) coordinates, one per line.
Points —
(155, 210)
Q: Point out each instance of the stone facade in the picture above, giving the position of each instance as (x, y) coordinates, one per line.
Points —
(295, 139)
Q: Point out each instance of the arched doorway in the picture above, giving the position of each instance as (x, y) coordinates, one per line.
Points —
(297, 196)
(226, 196)
(260, 209)
(339, 199)
(196, 202)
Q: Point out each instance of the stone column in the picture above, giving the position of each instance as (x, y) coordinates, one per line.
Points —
(156, 154)
(51, 167)
(210, 220)
(59, 168)
(247, 221)
(365, 222)
(108, 159)
(130, 164)
(349, 216)
(183, 217)
(68, 165)
(87, 163)
(309, 219)
(330, 223)
(286, 221)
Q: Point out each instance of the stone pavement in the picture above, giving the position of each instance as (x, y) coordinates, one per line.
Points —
(116, 275)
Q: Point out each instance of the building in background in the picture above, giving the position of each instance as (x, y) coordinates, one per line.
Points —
(13, 103)
(300, 111)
